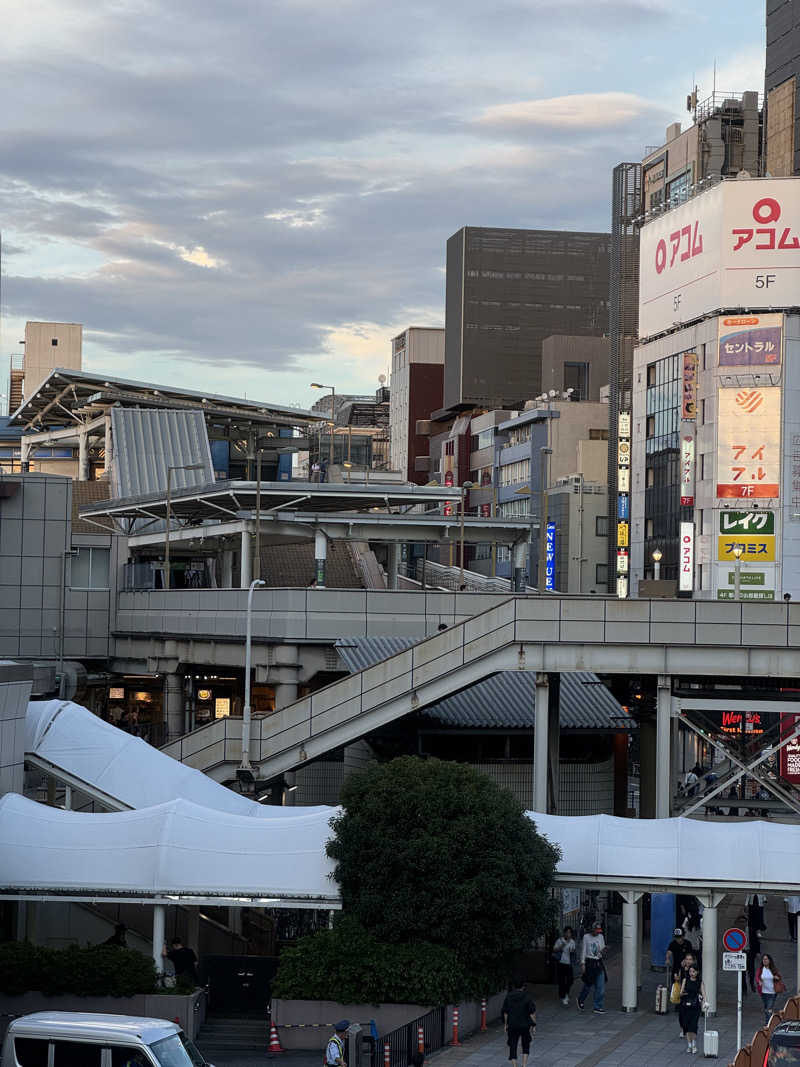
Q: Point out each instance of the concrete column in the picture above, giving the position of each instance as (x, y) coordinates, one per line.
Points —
(320, 557)
(639, 936)
(282, 674)
(647, 767)
(173, 705)
(710, 953)
(24, 454)
(83, 456)
(227, 569)
(193, 929)
(246, 568)
(159, 934)
(392, 562)
(663, 746)
(68, 798)
(289, 795)
(554, 741)
(630, 950)
(108, 444)
(540, 735)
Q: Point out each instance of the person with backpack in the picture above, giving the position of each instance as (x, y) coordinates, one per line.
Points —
(519, 1018)
(334, 1050)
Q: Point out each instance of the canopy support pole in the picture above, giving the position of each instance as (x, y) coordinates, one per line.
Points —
(710, 902)
(663, 745)
(630, 950)
(159, 935)
(540, 742)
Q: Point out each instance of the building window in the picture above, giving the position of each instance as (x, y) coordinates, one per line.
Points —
(90, 568)
(702, 466)
(598, 435)
(54, 342)
(601, 526)
(601, 573)
(449, 448)
(651, 425)
(651, 376)
(650, 477)
(702, 412)
(648, 528)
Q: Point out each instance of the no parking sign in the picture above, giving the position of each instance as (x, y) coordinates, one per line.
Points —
(734, 940)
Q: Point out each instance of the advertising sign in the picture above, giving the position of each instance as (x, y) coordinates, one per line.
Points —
(687, 467)
(790, 753)
(622, 586)
(755, 549)
(550, 557)
(624, 424)
(689, 402)
(624, 479)
(624, 453)
(622, 562)
(686, 558)
(737, 245)
(746, 594)
(623, 507)
(750, 340)
(623, 539)
(748, 443)
(747, 522)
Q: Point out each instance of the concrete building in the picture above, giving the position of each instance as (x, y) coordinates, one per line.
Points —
(507, 290)
(416, 390)
(47, 345)
(782, 89)
(577, 364)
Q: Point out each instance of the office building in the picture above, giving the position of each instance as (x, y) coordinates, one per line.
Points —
(782, 89)
(507, 290)
(416, 390)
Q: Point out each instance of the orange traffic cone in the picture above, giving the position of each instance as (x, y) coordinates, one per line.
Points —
(274, 1043)
(455, 1040)
(484, 1027)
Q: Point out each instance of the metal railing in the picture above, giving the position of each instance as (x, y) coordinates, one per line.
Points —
(402, 1042)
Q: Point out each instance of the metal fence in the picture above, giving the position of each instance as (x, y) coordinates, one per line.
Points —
(403, 1041)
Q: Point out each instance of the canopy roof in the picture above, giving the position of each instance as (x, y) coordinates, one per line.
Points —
(165, 853)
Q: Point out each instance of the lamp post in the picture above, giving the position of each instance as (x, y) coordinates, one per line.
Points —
(544, 478)
(177, 467)
(657, 554)
(261, 444)
(737, 575)
(465, 486)
(246, 716)
(319, 385)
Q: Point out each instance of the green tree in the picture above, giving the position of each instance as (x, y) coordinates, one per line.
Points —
(430, 851)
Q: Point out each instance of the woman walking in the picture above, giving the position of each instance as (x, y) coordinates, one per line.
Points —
(563, 951)
(692, 996)
(768, 983)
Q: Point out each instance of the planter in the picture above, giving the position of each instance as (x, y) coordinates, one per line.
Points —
(189, 1011)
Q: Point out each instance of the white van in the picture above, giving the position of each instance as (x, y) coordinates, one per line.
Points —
(83, 1039)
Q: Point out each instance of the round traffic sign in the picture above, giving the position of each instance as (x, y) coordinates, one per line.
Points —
(734, 939)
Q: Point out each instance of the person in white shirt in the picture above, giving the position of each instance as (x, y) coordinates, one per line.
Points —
(593, 970)
(562, 953)
(768, 983)
(334, 1052)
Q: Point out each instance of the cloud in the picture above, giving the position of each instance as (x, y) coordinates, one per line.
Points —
(581, 111)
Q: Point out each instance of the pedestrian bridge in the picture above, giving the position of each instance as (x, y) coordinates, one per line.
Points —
(530, 633)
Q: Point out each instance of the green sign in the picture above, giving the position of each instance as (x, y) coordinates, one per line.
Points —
(746, 594)
(747, 578)
(746, 522)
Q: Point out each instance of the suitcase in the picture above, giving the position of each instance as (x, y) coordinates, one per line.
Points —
(710, 1038)
(662, 1000)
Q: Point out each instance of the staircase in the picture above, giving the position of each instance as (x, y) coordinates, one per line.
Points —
(234, 1034)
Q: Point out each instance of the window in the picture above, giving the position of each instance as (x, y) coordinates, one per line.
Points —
(54, 342)
(651, 376)
(601, 573)
(651, 425)
(702, 471)
(170, 1052)
(449, 448)
(127, 1056)
(598, 434)
(648, 528)
(31, 1051)
(90, 567)
(76, 1054)
(601, 526)
(650, 477)
(702, 412)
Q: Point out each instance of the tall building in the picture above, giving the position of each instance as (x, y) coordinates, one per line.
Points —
(507, 290)
(782, 89)
(47, 345)
(416, 391)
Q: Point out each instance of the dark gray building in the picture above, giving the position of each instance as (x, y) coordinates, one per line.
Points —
(782, 88)
(507, 290)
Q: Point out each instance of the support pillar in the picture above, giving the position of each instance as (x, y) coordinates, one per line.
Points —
(647, 767)
(83, 456)
(67, 798)
(289, 789)
(159, 935)
(392, 563)
(173, 705)
(227, 569)
(554, 741)
(630, 950)
(639, 939)
(246, 567)
(320, 558)
(710, 902)
(519, 554)
(283, 674)
(108, 444)
(24, 455)
(663, 746)
(540, 735)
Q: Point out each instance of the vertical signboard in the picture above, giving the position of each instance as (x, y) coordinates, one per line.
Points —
(550, 557)
(790, 753)
(689, 395)
(623, 498)
(748, 443)
(686, 558)
(687, 466)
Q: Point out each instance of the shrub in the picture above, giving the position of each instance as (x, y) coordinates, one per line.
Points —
(96, 971)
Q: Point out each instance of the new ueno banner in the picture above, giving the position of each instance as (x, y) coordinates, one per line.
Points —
(748, 443)
(735, 246)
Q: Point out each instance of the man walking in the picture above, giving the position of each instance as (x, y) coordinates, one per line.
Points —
(593, 970)
(334, 1052)
(519, 1018)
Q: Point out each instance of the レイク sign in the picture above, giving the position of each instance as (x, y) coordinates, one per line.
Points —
(686, 562)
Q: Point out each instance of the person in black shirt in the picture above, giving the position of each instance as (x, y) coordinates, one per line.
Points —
(183, 960)
(676, 950)
(519, 1017)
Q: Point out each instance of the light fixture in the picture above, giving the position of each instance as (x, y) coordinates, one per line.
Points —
(738, 550)
(657, 555)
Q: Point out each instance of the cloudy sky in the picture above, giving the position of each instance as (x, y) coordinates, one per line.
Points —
(248, 195)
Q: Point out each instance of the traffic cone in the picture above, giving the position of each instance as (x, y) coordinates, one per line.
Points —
(484, 1027)
(421, 1040)
(274, 1043)
(455, 1040)
(387, 1054)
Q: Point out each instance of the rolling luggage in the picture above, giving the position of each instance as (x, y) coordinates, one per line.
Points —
(662, 1000)
(710, 1038)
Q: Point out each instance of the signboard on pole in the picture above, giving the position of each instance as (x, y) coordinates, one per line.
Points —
(689, 403)
(734, 961)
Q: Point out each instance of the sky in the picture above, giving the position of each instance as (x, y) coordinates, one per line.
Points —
(250, 195)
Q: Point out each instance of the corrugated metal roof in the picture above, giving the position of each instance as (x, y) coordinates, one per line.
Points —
(502, 700)
(148, 441)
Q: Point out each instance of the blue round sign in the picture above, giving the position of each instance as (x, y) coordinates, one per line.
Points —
(734, 939)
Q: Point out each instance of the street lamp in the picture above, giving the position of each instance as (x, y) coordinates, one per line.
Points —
(177, 467)
(464, 487)
(657, 554)
(261, 444)
(246, 716)
(544, 479)
(319, 385)
(737, 577)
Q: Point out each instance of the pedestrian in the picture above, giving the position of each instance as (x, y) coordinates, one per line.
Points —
(693, 995)
(182, 959)
(593, 969)
(753, 953)
(769, 983)
(691, 780)
(677, 949)
(792, 909)
(754, 905)
(323, 471)
(118, 937)
(519, 1018)
(563, 951)
(334, 1051)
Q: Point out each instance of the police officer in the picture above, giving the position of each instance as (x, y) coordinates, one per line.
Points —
(334, 1053)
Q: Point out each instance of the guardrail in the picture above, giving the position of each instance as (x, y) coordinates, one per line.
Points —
(402, 1042)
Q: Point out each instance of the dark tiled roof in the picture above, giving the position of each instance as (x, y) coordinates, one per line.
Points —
(502, 700)
(89, 493)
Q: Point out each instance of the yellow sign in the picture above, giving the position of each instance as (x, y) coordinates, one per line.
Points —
(754, 549)
(622, 534)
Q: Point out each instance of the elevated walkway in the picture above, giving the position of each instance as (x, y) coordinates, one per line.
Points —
(540, 634)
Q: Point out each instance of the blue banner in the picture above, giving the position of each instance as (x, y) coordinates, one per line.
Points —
(550, 557)
(623, 506)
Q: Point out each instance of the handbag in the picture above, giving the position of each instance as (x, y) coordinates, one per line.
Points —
(780, 985)
(675, 993)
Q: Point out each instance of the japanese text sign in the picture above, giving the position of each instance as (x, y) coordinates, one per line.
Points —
(689, 402)
(747, 522)
(748, 443)
(754, 549)
(687, 467)
(750, 340)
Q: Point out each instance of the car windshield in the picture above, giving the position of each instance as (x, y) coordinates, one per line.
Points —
(194, 1052)
(170, 1052)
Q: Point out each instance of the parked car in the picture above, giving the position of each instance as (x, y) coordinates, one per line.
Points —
(784, 1046)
